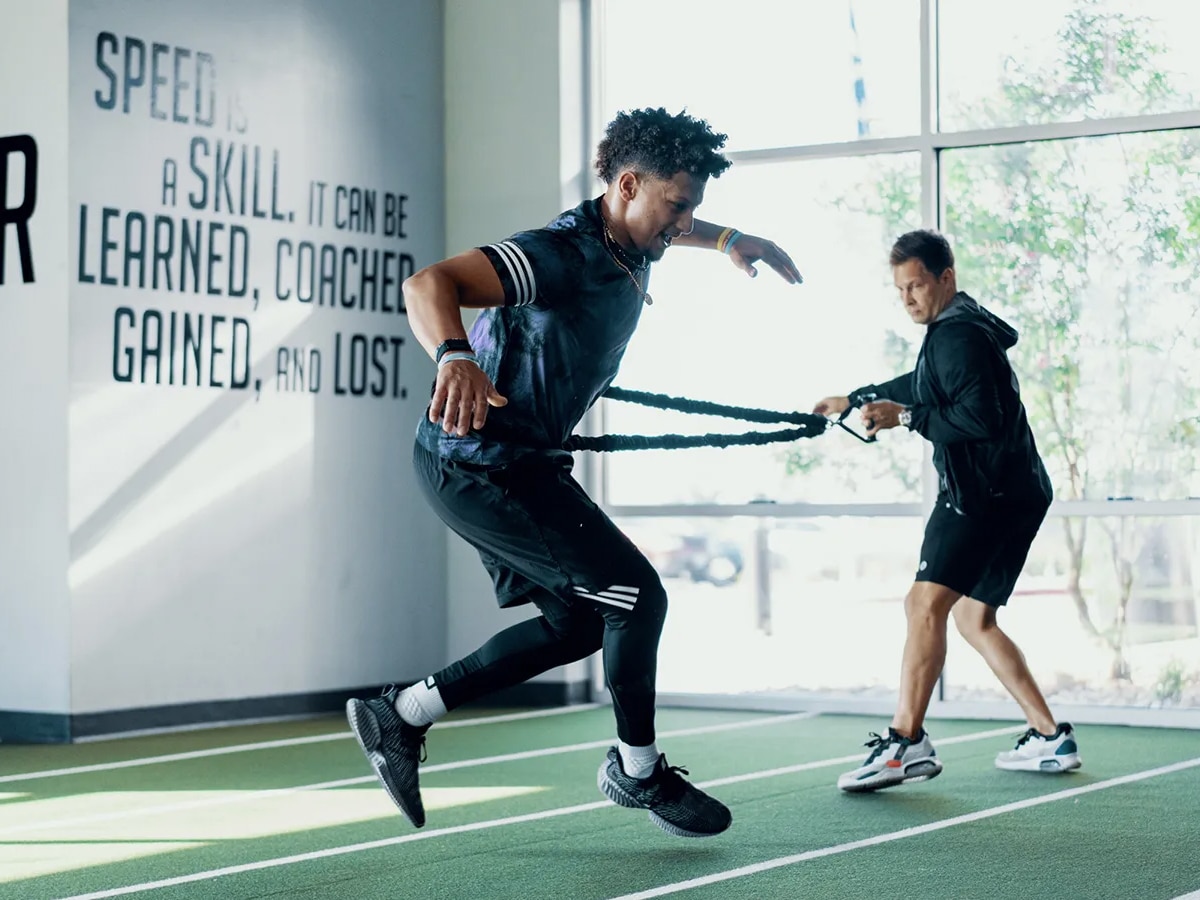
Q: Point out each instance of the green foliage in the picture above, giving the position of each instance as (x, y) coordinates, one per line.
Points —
(1171, 681)
(1091, 248)
(801, 461)
(1107, 64)
(1073, 240)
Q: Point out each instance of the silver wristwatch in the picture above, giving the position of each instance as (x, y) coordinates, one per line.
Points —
(906, 418)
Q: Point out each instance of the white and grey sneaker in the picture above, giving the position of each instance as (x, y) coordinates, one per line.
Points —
(894, 759)
(1037, 752)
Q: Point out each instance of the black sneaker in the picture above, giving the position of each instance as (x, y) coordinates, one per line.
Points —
(393, 747)
(675, 806)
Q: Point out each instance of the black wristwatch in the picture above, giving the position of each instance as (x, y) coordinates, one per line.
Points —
(452, 344)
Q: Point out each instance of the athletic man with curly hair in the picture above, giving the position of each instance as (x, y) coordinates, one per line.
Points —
(559, 304)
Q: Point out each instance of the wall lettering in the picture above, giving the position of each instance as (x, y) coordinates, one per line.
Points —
(222, 206)
(18, 216)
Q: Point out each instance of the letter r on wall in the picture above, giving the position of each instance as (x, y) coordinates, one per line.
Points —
(18, 215)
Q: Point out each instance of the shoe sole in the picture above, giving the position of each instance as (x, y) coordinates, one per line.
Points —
(614, 791)
(1053, 765)
(621, 797)
(921, 770)
(366, 731)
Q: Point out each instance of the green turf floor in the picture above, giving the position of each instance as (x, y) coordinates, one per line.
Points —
(104, 830)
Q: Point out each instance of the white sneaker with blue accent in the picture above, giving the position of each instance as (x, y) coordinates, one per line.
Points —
(1037, 752)
(894, 759)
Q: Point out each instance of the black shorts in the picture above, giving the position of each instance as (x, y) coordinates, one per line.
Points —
(979, 556)
(535, 527)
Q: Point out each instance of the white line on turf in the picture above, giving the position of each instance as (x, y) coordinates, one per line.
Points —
(284, 742)
(472, 826)
(1194, 895)
(250, 796)
(940, 824)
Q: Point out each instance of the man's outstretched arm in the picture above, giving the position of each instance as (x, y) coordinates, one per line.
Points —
(743, 249)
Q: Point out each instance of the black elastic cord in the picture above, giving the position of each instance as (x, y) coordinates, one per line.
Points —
(809, 424)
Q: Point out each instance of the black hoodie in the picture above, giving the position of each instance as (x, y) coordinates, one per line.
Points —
(965, 400)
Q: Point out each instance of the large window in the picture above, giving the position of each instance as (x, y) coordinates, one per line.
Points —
(1092, 247)
(1057, 144)
(1029, 62)
(771, 73)
(1106, 612)
(840, 330)
(764, 604)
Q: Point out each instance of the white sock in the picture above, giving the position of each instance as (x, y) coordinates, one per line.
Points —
(638, 762)
(421, 704)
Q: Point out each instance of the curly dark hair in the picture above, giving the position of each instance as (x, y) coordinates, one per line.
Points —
(656, 143)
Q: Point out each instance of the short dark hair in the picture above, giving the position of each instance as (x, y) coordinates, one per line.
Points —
(930, 247)
(654, 142)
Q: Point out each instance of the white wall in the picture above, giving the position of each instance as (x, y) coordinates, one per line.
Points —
(229, 537)
(513, 161)
(164, 544)
(34, 619)
(241, 543)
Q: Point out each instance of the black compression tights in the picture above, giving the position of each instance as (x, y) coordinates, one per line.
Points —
(563, 634)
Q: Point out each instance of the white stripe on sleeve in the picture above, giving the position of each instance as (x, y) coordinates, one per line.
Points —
(517, 283)
(526, 266)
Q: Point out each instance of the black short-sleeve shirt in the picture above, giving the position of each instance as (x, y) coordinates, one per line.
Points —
(555, 345)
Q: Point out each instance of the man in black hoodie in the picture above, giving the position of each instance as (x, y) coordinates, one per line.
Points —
(993, 494)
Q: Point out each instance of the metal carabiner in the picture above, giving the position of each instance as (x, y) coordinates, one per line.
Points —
(840, 422)
(856, 400)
